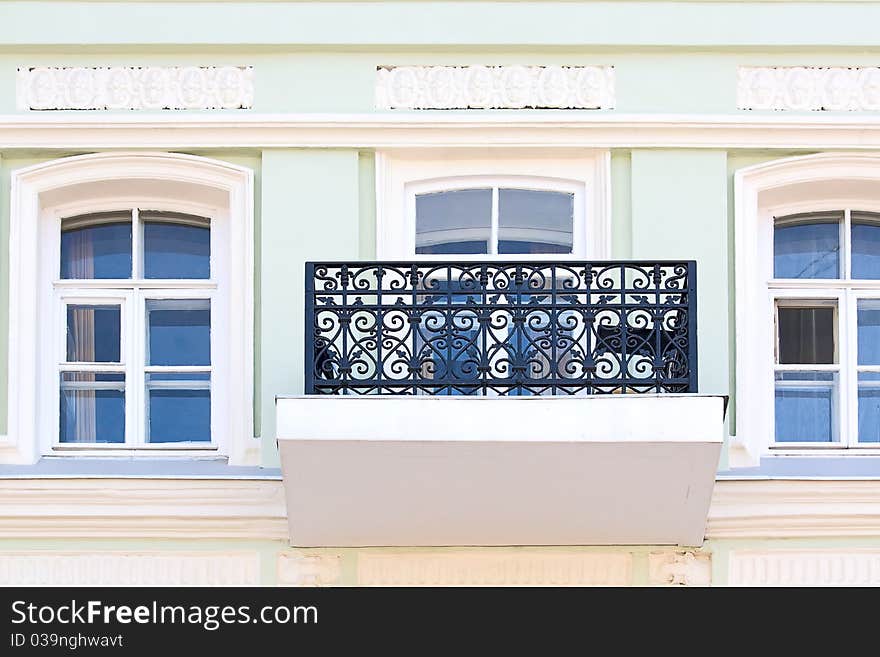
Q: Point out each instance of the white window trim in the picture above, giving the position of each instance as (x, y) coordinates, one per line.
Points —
(755, 328)
(28, 335)
(400, 174)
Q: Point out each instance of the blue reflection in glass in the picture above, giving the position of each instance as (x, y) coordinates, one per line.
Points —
(807, 251)
(869, 407)
(93, 334)
(98, 251)
(176, 250)
(521, 246)
(869, 332)
(92, 408)
(804, 406)
(179, 332)
(865, 247)
(454, 248)
(179, 407)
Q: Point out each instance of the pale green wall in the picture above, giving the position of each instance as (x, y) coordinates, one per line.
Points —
(310, 212)
(679, 210)
(621, 205)
(609, 23)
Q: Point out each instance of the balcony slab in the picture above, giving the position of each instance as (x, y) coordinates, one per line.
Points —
(431, 471)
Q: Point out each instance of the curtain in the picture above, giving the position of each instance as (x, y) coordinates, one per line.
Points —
(83, 266)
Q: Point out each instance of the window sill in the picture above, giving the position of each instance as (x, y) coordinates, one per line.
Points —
(811, 464)
(211, 467)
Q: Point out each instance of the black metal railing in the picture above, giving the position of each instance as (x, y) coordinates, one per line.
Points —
(500, 328)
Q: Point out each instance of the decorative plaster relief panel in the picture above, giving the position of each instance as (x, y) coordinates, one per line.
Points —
(494, 568)
(129, 568)
(680, 568)
(495, 87)
(847, 89)
(135, 88)
(853, 567)
(309, 569)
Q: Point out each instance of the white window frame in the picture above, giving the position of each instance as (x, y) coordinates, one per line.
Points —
(401, 174)
(41, 196)
(762, 193)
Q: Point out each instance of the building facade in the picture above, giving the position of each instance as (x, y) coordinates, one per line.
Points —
(414, 292)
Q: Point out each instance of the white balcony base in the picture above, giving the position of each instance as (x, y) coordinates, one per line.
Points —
(603, 470)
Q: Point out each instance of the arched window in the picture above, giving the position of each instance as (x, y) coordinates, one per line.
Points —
(808, 305)
(139, 333)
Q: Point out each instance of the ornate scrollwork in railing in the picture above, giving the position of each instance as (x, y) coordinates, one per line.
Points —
(500, 328)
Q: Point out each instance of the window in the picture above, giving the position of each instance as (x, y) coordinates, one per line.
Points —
(114, 388)
(808, 306)
(826, 286)
(136, 335)
(439, 204)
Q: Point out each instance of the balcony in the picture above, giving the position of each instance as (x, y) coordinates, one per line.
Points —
(492, 403)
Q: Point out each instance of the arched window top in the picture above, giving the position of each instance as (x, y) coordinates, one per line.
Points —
(168, 245)
(172, 180)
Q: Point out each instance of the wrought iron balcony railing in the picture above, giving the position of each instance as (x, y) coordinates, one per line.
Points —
(500, 328)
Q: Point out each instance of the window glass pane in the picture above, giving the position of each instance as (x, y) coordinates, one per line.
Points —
(179, 332)
(807, 246)
(96, 246)
(869, 331)
(179, 407)
(531, 221)
(454, 222)
(93, 334)
(805, 406)
(176, 245)
(869, 407)
(865, 245)
(806, 335)
(92, 408)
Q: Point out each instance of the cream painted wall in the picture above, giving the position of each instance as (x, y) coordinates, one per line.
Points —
(832, 561)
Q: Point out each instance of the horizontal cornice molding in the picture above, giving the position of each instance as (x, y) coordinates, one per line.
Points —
(466, 128)
(142, 508)
(255, 509)
(794, 508)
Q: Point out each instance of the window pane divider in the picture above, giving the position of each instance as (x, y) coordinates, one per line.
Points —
(140, 283)
(93, 385)
(172, 369)
(111, 368)
(816, 367)
(819, 285)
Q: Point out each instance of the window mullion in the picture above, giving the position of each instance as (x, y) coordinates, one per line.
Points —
(851, 372)
(493, 236)
(135, 370)
(136, 250)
